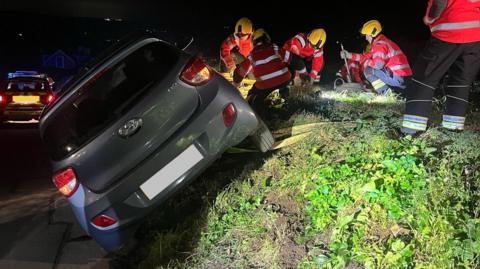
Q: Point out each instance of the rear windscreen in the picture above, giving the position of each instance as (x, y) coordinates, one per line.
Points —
(105, 98)
(27, 85)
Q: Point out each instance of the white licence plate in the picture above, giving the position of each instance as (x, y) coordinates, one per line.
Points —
(171, 172)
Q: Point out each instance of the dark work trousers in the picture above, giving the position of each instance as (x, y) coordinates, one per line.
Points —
(256, 97)
(461, 62)
(298, 63)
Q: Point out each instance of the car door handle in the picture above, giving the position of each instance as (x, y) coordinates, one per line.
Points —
(130, 128)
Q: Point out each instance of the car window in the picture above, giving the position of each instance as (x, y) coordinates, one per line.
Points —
(27, 85)
(106, 97)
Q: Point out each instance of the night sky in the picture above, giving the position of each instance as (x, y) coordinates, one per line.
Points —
(49, 24)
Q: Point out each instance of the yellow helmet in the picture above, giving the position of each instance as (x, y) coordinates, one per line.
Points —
(244, 26)
(261, 34)
(317, 37)
(372, 28)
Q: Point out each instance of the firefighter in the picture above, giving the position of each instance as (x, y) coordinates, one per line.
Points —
(453, 49)
(266, 62)
(237, 46)
(385, 65)
(310, 48)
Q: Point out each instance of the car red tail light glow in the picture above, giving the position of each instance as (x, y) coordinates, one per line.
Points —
(196, 73)
(47, 99)
(66, 182)
(103, 221)
(229, 113)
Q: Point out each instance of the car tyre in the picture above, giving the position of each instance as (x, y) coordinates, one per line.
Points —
(262, 138)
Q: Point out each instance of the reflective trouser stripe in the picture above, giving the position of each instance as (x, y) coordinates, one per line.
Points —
(415, 118)
(415, 122)
(457, 98)
(423, 84)
(378, 84)
(453, 122)
(414, 125)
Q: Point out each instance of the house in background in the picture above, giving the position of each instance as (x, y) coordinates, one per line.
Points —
(59, 60)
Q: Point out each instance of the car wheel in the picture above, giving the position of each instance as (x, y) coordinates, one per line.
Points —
(262, 138)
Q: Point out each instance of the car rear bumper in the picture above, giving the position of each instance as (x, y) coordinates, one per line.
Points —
(19, 113)
(157, 178)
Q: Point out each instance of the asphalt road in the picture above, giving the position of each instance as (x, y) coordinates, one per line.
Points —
(37, 228)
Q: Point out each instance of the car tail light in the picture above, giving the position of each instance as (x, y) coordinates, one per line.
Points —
(103, 221)
(196, 73)
(229, 113)
(47, 99)
(66, 182)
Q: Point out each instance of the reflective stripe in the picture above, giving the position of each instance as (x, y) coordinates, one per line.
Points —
(414, 125)
(250, 58)
(377, 84)
(391, 51)
(275, 47)
(379, 54)
(399, 67)
(458, 86)
(421, 83)
(264, 61)
(452, 125)
(318, 54)
(357, 57)
(458, 98)
(415, 118)
(455, 26)
(303, 71)
(272, 75)
(456, 119)
(314, 72)
(302, 41)
(411, 101)
(287, 56)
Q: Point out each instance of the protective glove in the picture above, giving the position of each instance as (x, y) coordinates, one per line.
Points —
(345, 55)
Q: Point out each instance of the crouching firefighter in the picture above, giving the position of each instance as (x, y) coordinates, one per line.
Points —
(453, 49)
(237, 46)
(385, 66)
(310, 49)
(270, 71)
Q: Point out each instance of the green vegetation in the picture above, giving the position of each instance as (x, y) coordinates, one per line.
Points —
(354, 194)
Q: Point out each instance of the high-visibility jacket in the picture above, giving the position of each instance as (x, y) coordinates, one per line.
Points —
(266, 63)
(233, 41)
(300, 46)
(458, 22)
(384, 53)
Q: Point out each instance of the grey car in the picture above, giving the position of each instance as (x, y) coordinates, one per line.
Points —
(140, 122)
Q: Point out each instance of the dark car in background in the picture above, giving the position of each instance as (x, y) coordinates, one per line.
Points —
(140, 122)
(24, 95)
